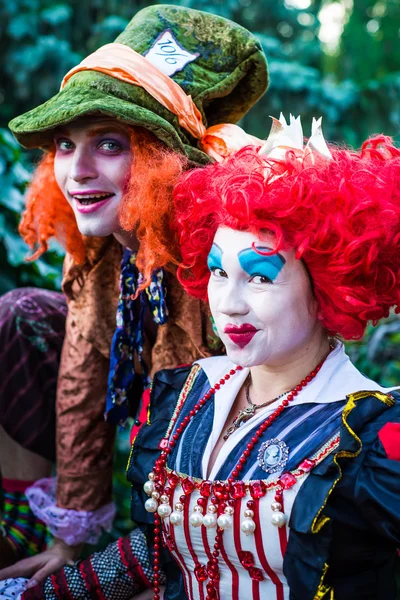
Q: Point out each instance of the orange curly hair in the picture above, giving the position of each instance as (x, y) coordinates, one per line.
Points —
(48, 214)
(146, 206)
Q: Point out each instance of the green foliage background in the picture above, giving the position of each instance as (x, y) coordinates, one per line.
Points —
(354, 85)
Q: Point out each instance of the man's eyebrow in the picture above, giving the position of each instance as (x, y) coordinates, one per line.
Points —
(62, 131)
(110, 129)
(100, 130)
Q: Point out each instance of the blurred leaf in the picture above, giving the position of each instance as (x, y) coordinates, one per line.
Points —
(15, 270)
(9, 147)
(57, 14)
(3, 165)
(20, 174)
(10, 196)
(23, 25)
(16, 248)
(47, 271)
(7, 138)
(111, 23)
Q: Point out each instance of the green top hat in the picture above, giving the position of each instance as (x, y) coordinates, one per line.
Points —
(218, 63)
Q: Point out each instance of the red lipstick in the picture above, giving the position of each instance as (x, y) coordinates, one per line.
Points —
(241, 335)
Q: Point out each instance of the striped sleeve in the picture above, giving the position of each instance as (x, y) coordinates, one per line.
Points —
(122, 570)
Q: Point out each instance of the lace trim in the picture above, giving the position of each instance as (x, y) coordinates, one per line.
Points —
(72, 526)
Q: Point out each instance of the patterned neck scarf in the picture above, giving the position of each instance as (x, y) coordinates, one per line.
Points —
(128, 337)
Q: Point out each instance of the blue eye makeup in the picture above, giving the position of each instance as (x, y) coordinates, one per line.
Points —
(258, 264)
(214, 260)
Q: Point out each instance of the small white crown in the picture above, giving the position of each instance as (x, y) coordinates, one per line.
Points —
(284, 137)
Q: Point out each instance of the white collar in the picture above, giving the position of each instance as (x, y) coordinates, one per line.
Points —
(337, 378)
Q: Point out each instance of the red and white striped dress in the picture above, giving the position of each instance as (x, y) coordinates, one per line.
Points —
(266, 547)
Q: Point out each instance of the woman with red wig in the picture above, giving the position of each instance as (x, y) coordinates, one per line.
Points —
(274, 471)
(127, 121)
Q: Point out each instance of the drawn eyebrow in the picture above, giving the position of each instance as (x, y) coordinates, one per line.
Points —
(268, 265)
(214, 258)
(217, 247)
(265, 252)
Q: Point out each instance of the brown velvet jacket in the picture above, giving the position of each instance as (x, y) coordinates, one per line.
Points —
(85, 442)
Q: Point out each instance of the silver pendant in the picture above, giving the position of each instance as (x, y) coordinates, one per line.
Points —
(243, 416)
(273, 455)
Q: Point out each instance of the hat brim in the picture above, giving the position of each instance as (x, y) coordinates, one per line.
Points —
(35, 128)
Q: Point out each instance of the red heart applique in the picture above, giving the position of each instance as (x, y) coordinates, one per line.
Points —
(390, 438)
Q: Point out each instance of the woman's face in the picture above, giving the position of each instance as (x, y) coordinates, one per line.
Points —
(263, 306)
(92, 166)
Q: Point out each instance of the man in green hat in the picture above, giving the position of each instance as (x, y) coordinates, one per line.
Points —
(164, 87)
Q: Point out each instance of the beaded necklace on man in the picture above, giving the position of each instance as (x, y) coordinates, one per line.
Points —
(223, 495)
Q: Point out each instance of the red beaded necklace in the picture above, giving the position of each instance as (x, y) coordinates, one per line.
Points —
(161, 483)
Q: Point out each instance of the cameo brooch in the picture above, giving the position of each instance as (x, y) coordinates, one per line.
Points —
(273, 456)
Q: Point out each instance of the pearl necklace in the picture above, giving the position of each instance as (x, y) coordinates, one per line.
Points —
(222, 495)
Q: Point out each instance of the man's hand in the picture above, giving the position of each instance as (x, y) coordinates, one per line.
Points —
(38, 567)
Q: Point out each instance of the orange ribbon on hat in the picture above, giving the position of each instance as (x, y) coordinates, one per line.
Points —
(124, 63)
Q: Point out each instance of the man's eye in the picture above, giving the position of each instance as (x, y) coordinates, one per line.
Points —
(217, 272)
(110, 146)
(64, 145)
(260, 279)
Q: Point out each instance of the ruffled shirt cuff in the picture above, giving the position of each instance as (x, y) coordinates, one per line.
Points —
(72, 526)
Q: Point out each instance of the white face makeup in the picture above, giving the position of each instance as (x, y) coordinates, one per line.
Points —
(263, 306)
(92, 165)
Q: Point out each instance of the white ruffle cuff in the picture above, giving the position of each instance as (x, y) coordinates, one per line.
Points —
(72, 526)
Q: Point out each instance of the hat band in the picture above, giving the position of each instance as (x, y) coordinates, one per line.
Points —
(124, 63)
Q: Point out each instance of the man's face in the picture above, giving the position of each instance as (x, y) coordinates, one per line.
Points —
(92, 166)
(263, 306)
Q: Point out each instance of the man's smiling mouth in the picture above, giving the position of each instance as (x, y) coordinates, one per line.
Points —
(91, 198)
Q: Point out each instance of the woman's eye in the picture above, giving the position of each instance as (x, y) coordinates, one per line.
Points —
(217, 272)
(110, 146)
(64, 145)
(260, 279)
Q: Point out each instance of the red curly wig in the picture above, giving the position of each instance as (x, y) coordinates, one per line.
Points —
(146, 206)
(342, 218)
